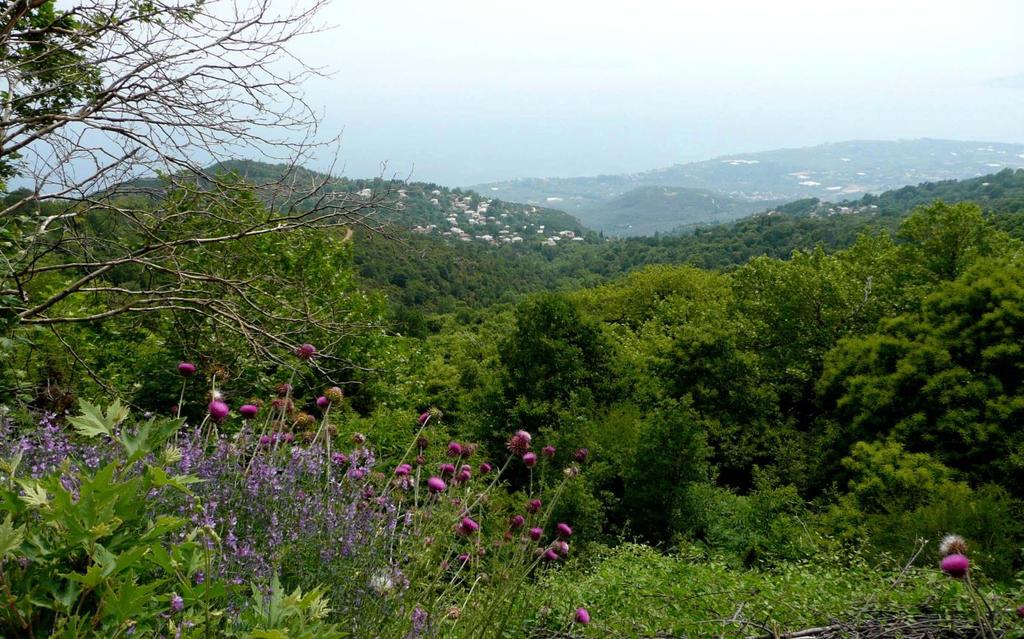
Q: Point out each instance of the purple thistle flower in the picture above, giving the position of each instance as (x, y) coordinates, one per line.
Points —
(581, 455)
(955, 565)
(186, 369)
(436, 484)
(562, 547)
(218, 410)
(454, 449)
(530, 459)
(305, 352)
(563, 530)
(485, 468)
(533, 506)
(519, 443)
(467, 527)
(248, 411)
(550, 555)
(536, 533)
(446, 469)
(582, 616)
(322, 402)
(403, 470)
(517, 522)
(548, 451)
(424, 418)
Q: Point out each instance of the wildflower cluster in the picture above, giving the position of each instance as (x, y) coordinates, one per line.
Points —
(267, 495)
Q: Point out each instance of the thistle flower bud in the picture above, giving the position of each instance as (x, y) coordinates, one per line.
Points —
(248, 411)
(582, 616)
(305, 352)
(519, 443)
(467, 527)
(530, 459)
(955, 565)
(548, 451)
(218, 411)
(334, 394)
(186, 369)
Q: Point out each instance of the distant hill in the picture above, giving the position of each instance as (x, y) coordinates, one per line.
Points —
(650, 209)
(424, 208)
(829, 172)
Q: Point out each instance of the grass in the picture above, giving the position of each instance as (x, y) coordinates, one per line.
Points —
(635, 591)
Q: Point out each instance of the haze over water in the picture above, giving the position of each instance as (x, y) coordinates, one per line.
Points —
(465, 92)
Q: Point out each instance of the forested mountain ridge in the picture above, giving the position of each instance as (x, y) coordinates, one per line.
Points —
(423, 275)
(828, 172)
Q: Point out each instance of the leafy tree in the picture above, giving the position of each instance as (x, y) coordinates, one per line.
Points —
(945, 239)
(670, 458)
(946, 380)
(554, 352)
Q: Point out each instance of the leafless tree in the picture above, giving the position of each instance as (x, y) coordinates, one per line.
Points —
(100, 97)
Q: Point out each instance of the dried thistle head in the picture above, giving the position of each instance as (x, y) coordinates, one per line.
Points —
(952, 545)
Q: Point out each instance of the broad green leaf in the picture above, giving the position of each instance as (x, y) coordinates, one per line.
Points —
(35, 495)
(93, 421)
(150, 436)
(10, 537)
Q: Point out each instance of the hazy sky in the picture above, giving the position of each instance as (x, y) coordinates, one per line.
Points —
(461, 92)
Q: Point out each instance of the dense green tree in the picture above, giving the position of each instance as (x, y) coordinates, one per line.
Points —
(554, 352)
(945, 380)
(671, 457)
